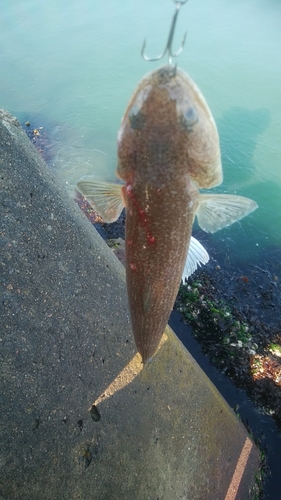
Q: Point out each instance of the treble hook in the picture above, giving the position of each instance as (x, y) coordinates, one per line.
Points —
(168, 47)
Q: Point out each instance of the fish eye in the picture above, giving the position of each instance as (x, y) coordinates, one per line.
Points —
(189, 118)
(191, 114)
(137, 120)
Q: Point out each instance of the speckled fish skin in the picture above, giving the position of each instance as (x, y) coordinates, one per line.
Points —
(167, 144)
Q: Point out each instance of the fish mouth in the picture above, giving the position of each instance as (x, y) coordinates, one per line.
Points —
(165, 74)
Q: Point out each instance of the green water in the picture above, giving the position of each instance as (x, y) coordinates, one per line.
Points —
(73, 66)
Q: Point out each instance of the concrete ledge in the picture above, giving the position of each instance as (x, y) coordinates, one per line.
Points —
(162, 432)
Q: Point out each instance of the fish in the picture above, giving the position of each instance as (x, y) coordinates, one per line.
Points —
(168, 149)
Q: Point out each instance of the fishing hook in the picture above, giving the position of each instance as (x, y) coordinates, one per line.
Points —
(168, 47)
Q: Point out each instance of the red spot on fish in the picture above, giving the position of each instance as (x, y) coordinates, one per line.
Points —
(133, 267)
(142, 215)
(151, 239)
(143, 218)
(129, 242)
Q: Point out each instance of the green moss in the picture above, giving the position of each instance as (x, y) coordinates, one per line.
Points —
(213, 322)
(275, 349)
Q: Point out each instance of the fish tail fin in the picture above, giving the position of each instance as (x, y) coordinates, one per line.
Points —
(105, 198)
(216, 211)
(196, 256)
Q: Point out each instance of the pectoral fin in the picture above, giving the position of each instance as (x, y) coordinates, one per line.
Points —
(196, 256)
(216, 211)
(105, 198)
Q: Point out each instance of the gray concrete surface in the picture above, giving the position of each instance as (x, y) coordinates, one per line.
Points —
(162, 432)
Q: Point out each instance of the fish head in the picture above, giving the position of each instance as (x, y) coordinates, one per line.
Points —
(168, 118)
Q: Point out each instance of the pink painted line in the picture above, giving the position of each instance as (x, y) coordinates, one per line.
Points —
(239, 470)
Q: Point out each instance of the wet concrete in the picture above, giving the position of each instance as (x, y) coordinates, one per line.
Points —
(80, 418)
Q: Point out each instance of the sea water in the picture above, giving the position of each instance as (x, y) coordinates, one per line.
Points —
(72, 66)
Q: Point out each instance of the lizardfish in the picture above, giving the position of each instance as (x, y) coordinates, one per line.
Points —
(168, 148)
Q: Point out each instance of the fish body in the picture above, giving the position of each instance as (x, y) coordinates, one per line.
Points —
(168, 147)
(157, 240)
(166, 134)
